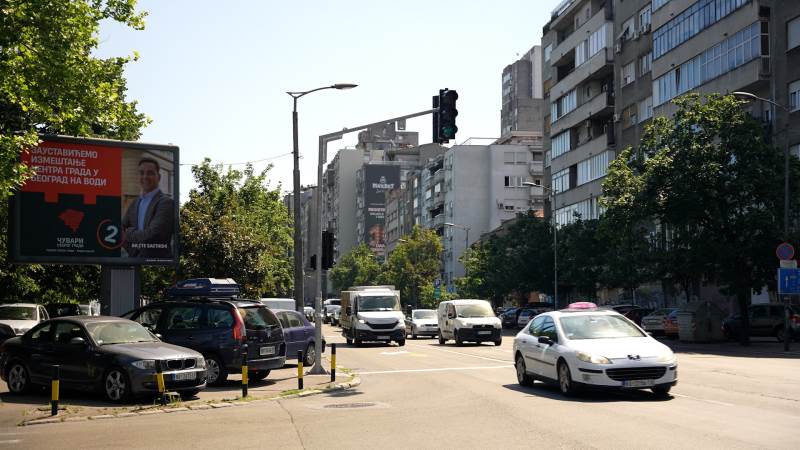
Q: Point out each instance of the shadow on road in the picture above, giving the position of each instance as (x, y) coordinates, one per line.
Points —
(758, 348)
(588, 396)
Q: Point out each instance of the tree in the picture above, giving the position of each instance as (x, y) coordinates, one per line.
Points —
(414, 263)
(358, 267)
(581, 257)
(50, 82)
(234, 226)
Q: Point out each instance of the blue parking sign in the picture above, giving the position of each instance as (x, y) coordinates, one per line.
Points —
(789, 281)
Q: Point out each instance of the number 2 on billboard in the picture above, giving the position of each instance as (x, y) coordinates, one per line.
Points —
(110, 234)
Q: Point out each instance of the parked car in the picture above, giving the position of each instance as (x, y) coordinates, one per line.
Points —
(509, 317)
(422, 322)
(637, 314)
(63, 309)
(671, 324)
(115, 356)
(308, 311)
(583, 346)
(218, 328)
(329, 310)
(21, 317)
(765, 320)
(654, 322)
(6, 332)
(337, 314)
(524, 317)
(298, 333)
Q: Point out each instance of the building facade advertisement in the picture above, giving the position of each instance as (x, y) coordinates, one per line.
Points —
(95, 201)
(378, 180)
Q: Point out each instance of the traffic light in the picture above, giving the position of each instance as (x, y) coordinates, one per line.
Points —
(446, 126)
(327, 250)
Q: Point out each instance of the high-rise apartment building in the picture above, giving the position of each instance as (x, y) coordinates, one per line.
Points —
(522, 103)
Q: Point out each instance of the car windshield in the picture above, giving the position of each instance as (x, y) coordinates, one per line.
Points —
(425, 314)
(474, 310)
(379, 303)
(18, 313)
(258, 318)
(598, 327)
(662, 312)
(119, 332)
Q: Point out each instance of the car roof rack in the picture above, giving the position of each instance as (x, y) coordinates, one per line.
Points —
(204, 288)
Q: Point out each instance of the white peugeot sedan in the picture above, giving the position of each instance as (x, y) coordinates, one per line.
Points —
(582, 346)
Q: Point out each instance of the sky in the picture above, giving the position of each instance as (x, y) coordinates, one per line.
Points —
(213, 76)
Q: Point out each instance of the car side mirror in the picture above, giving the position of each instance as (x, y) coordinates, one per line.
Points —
(77, 341)
(545, 340)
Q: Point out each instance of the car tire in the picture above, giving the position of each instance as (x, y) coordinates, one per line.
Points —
(661, 391)
(498, 342)
(413, 336)
(357, 342)
(310, 355)
(216, 371)
(116, 385)
(565, 383)
(17, 378)
(522, 376)
(441, 339)
(459, 342)
(188, 393)
(780, 333)
(258, 375)
(401, 342)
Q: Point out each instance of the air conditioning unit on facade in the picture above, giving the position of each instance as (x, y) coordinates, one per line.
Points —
(618, 48)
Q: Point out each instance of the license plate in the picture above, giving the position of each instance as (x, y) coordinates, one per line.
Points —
(484, 332)
(638, 383)
(266, 351)
(184, 376)
(383, 337)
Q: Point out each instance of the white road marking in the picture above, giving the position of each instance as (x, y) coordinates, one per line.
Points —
(11, 441)
(702, 400)
(395, 353)
(443, 369)
(462, 353)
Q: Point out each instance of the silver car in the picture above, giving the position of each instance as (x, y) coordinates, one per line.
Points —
(654, 322)
(422, 322)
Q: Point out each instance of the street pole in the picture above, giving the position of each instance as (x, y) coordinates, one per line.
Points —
(298, 237)
(555, 235)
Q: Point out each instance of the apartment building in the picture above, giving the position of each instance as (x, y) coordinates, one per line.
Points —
(308, 234)
(339, 199)
(578, 73)
(522, 102)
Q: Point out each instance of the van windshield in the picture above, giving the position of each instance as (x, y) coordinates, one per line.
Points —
(474, 310)
(379, 303)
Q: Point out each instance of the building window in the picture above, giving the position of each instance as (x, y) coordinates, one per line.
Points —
(794, 95)
(628, 73)
(644, 19)
(645, 109)
(629, 116)
(659, 3)
(593, 168)
(580, 53)
(587, 210)
(794, 150)
(560, 181)
(547, 51)
(628, 27)
(563, 106)
(645, 62)
(514, 181)
(793, 33)
(694, 19)
(597, 40)
(560, 144)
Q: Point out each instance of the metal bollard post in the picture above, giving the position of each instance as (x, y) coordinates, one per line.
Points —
(333, 362)
(54, 390)
(300, 369)
(244, 371)
(162, 389)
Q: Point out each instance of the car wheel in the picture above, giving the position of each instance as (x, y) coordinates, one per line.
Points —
(522, 376)
(498, 342)
(258, 375)
(349, 341)
(310, 356)
(116, 385)
(565, 384)
(661, 391)
(441, 339)
(780, 334)
(215, 370)
(459, 342)
(18, 380)
(401, 342)
(413, 336)
(188, 393)
(357, 342)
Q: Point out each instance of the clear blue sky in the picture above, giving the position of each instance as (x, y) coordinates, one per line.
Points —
(213, 76)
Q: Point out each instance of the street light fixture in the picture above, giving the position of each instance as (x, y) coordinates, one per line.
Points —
(555, 237)
(298, 239)
(751, 96)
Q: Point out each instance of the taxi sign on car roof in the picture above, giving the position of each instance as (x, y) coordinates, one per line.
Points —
(205, 287)
(581, 306)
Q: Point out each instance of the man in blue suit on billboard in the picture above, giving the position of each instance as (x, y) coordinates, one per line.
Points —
(149, 222)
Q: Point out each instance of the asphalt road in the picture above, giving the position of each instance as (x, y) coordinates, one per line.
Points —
(425, 395)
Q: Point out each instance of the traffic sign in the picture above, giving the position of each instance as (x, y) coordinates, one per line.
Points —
(788, 281)
(437, 282)
(788, 264)
(437, 292)
(784, 251)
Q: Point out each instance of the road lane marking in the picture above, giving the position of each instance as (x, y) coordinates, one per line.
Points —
(702, 400)
(11, 441)
(402, 352)
(462, 353)
(442, 369)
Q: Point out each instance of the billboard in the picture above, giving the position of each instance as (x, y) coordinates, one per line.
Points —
(378, 180)
(97, 201)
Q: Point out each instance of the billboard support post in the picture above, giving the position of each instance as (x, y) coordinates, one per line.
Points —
(120, 289)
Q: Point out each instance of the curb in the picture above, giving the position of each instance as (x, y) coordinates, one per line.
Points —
(353, 382)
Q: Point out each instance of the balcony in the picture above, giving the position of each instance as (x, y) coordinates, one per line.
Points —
(582, 151)
(437, 177)
(601, 104)
(598, 66)
(438, 199)
(438, 221)
(566, 46)
(536, 167)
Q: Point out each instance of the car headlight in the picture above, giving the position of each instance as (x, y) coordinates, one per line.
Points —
(144, 364)
(666, 357)
(201, 363)
(594, 359)
(361, 321)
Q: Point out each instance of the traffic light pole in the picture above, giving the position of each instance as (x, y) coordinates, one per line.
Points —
(323, 154)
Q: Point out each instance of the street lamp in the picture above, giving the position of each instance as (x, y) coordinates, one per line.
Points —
(751, 96)
(555, 236)
(298, 243)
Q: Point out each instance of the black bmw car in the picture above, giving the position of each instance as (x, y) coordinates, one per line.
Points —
(114, 356)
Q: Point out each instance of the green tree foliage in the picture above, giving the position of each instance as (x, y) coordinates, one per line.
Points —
(234, 226)
(581, 259)
(358, 267)
(51, 82)
(414, 263)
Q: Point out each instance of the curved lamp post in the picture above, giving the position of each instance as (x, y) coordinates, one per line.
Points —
(555, 237)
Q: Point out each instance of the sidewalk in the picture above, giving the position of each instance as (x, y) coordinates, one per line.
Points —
(74, 406)
(758, 348)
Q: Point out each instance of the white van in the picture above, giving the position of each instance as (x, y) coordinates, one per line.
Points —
(278, 303)
(468, 320)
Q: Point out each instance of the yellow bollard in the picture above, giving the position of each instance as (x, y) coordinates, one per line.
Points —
(300, 369)
(54, 384)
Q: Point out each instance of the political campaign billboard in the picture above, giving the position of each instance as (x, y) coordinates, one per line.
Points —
(97, 201)
(378, 179)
